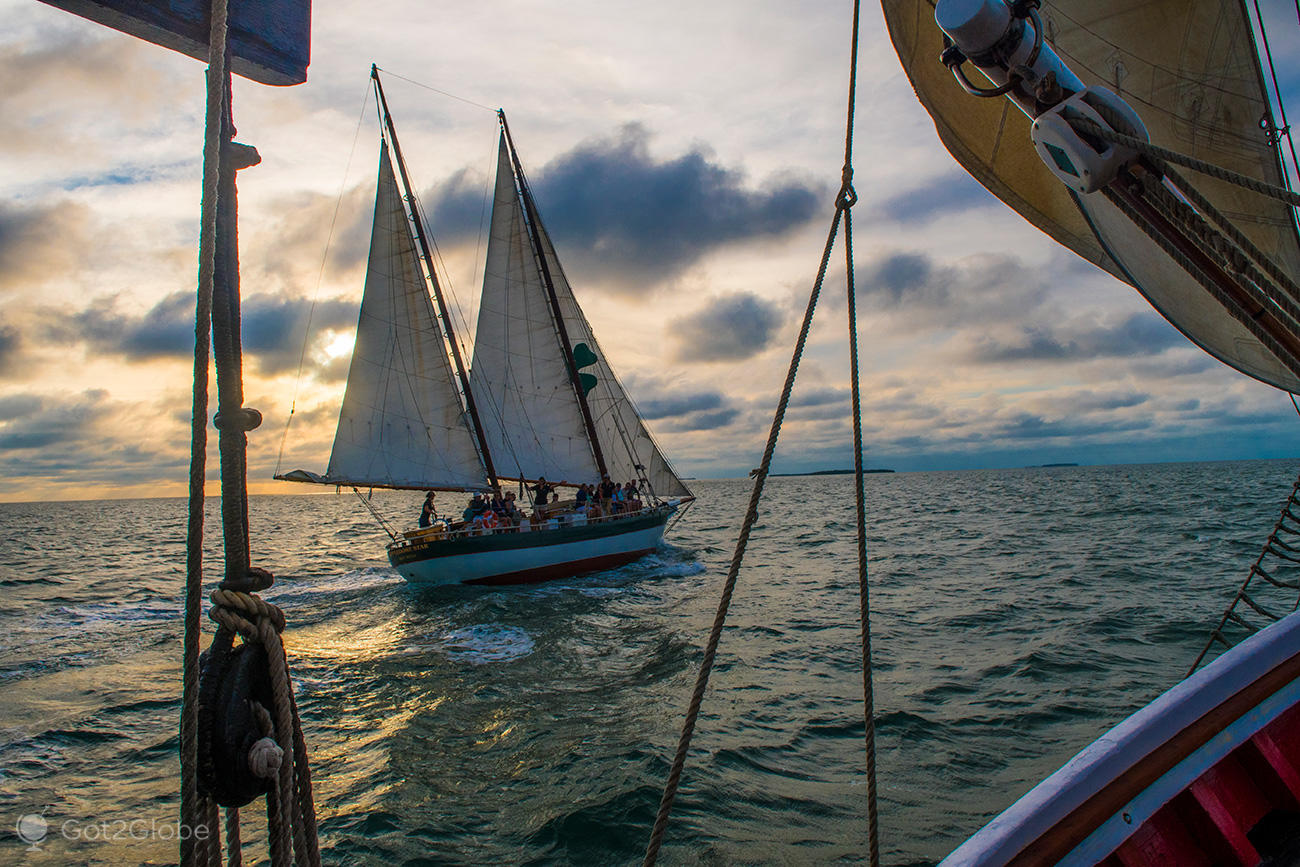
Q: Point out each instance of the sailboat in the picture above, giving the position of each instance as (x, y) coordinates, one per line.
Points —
(538, 402)
(1075, 113)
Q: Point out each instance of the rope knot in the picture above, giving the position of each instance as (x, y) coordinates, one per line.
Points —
(244, 613)
(264, 758)
(848, 197)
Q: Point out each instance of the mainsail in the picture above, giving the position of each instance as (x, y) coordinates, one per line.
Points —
(534, 420)
(1190, 69)
(402, 424)
(531, 417)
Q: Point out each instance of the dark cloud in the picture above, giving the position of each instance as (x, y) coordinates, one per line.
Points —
(1030, 426)
(10, 344)
(38, 242)
(976, 289)
(618, 214)
(679, 404)
(939, 197)
(702, 421)
(819, 397)
(32, 422)
(1139, 335)
(728, 328)
(272, 328)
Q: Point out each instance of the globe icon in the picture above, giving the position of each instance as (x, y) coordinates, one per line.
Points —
(32, 829)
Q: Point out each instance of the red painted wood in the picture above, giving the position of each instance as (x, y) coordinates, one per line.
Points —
(1271, 770)
(1233, 804)
(563, 570)
(1162, 840)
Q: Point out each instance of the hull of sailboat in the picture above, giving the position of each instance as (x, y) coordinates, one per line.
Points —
(1208, 773)
(543, 554)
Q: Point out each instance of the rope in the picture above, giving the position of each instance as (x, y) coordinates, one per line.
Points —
(291, 815)
(1229, 303)
(217, 312)
(1256, 569)
(198, 811)
(845, 200)
(1148, 149)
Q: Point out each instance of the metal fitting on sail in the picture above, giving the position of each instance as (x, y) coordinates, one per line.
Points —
(1083, 162)
(1005, 42)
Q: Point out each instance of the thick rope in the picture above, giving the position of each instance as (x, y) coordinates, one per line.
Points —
(844, 201)
(291, 816)
(1230, 304)
(1146, 148)
(200, 845)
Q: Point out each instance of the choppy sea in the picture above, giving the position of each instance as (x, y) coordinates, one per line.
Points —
(1016, 615)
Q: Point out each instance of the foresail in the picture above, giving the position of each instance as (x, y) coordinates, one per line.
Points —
(630, 451)
(531, 417)
(1190, 70)
(402, 423)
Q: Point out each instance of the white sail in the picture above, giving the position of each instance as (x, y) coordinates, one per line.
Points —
(1189, 68)
(520, 378)
(629, 450)
(402, 424)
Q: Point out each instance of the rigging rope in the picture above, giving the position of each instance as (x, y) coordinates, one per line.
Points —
(1148, 149)
(198, 812)
(1287, 554)
(289, 808)
(844, 200)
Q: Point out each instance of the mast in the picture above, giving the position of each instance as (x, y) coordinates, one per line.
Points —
(535, 239)
(427, 253)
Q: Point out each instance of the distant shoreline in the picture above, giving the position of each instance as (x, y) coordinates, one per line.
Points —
(829, 473)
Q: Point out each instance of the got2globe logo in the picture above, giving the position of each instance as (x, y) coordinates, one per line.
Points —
(32, 829)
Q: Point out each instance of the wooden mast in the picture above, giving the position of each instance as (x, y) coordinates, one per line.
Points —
(535, 238)
(427, 253)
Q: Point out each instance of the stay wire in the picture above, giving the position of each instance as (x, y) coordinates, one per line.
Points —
(320, 278)
(845, 200)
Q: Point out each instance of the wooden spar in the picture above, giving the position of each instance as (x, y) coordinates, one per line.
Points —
(535, 238)
(427, 252)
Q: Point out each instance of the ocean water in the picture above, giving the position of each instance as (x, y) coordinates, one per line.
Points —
(1016, 615)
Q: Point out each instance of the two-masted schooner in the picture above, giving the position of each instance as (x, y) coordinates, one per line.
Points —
(539, 400)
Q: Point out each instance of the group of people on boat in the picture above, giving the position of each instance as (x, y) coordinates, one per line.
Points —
(501, 510)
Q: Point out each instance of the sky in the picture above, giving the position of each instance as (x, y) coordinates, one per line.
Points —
(685, 157)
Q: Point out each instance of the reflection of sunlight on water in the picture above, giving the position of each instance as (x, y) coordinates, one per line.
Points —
(486, 643)
(495, 731)
(334, 643)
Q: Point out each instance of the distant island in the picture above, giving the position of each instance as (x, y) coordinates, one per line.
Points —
(1056, 465)
(829, 473)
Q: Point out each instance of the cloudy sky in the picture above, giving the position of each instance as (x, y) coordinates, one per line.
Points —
(685, 155)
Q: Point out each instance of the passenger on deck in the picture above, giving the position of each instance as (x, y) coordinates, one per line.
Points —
(618, 503)
(512, 514)
(543, 491)
(580, 498)
(428, 514)
(475, 508)
(631, 498)
(606, 490)
(498, 505)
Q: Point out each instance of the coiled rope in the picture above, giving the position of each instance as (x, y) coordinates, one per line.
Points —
(282, 750)
(844, 201)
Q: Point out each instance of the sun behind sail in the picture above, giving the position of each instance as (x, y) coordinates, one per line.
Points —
(1190, 70)
(402, 424)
